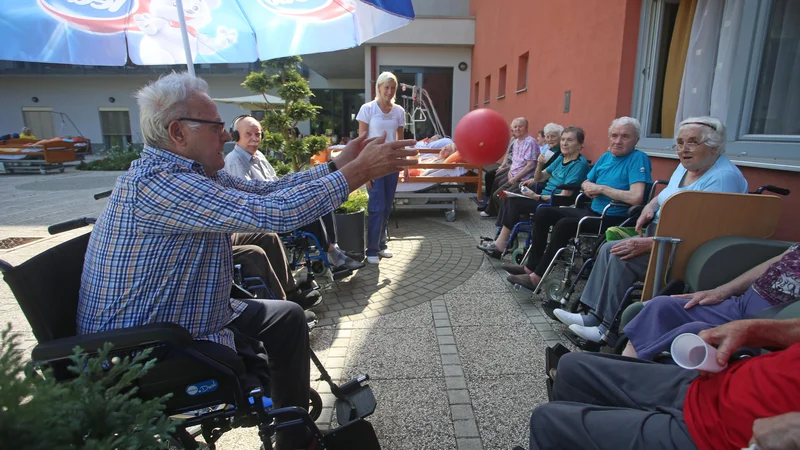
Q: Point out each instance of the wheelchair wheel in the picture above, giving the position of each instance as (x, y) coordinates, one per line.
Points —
(317, 267)
(314, 405)
(518, 255)
(552, 289)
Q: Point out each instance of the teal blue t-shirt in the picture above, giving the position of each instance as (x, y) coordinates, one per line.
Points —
(618, 172)
(573, 172)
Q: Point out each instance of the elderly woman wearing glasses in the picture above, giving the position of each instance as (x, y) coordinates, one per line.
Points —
(700, 145)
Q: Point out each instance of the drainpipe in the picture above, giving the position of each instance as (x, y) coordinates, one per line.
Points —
(373, 62)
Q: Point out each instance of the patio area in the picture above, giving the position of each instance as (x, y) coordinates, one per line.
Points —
(455, 355)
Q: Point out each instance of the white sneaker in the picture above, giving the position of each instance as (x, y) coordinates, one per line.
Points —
(568, 318)
(589, 333)
(385, 253)
(484, 214)
(373, 259)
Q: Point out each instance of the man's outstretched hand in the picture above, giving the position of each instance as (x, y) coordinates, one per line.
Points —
(352, 150)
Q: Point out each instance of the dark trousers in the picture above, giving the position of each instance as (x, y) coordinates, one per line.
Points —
(324, 230)
(281, 329)
(489, 175)
(262, 255)
(516, 209)
(605, 401)
(500, 183)
(565, 224)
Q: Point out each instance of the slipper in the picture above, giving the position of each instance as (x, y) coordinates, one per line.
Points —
(490, 250)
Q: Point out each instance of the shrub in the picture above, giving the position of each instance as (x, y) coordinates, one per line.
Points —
(357, 201)
(96, 410)
(117, 159)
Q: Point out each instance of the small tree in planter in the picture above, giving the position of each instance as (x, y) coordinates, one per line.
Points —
(350, 223)
(280, 120)
(96, 410)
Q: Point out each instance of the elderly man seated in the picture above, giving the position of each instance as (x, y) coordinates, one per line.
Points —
(524, 156)
(700, 144)
(246, 161)
(611, 402)
(161, 249)
(774, 282)
(620, 174)
(570, 167)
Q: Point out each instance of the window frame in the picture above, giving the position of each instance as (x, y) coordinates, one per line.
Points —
(126, 138)
(501, 82)
(487, 88)
(748, 149)
(523, 62)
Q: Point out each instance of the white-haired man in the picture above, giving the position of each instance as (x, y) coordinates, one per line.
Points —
(161, 249)
(245, 161)
(620, 174)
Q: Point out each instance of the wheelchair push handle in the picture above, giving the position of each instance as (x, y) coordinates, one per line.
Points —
(775, 189)
(70, 225)
(104, 194)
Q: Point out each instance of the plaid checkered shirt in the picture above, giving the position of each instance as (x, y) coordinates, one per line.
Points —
(161, 249)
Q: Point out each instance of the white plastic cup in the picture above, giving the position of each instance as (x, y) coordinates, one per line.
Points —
(691, 352)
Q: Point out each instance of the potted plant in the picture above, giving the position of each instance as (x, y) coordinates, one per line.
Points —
(350, 224)
(96, 410)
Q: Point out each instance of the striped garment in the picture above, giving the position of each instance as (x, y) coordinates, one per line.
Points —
(161, 249)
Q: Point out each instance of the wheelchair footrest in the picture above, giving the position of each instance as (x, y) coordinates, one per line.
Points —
(551, 357)
(549, 306)
(355, 435)
(356, 404)
(582, 343)
(339, 273)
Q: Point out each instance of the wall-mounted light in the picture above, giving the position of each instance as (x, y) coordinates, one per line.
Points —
(462, 66)
(35, 99)
(111, 99)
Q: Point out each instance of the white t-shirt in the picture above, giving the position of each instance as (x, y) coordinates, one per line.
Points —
(379, 122)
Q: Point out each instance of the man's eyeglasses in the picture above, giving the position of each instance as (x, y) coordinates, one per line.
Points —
(218, 126)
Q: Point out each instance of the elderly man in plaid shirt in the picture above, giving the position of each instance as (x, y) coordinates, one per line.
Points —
(161, 249)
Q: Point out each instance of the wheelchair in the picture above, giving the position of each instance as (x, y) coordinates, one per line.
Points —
(208, 394)
(304, 249)
(714, 263)
(519, 253)
(581, 251)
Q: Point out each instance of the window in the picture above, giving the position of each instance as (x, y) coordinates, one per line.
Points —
(476, 94)
(115, 124)
(732, 59)
(522, 72)
(487, 89)
(501, 83)
(40, 120)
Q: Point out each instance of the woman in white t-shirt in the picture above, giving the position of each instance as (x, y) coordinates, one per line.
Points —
(378, 117)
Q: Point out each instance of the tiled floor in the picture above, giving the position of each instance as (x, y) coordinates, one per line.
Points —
(455, 355)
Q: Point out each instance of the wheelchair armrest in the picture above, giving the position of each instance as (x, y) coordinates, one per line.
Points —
(569, 187)
(135, 337)
(635, 210)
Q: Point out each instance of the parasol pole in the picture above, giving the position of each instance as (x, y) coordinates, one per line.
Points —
(185, 37)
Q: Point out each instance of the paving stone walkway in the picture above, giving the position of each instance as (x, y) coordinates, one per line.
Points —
(430, 259)
(458, 363)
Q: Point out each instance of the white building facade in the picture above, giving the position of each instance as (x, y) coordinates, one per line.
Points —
(98, 103)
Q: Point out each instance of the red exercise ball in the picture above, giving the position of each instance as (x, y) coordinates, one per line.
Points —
(482, 137)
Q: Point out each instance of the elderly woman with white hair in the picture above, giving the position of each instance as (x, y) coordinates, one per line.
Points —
(552, 147)
(700, 145)
(378, 117)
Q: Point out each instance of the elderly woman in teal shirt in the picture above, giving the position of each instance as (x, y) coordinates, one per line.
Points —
(570, 167)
